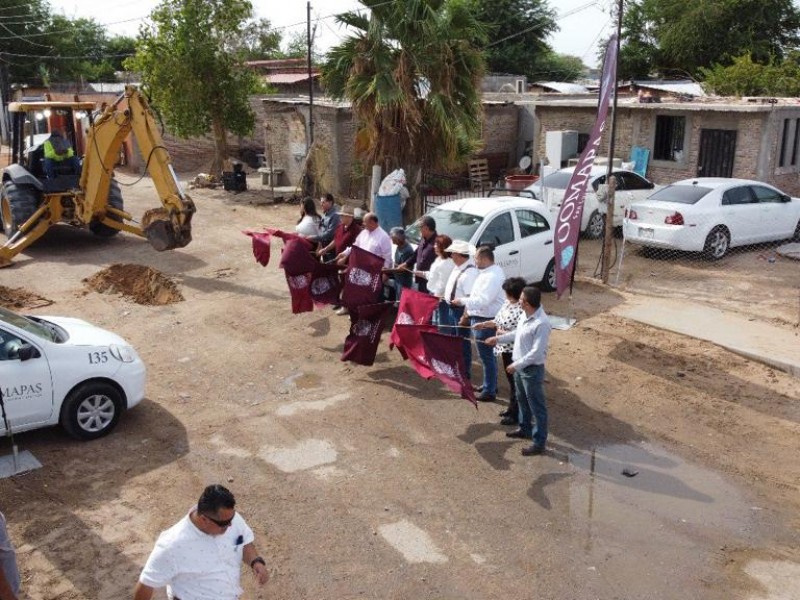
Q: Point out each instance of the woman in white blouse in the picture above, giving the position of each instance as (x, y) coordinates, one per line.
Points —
(308, 225)
(507, 319)
(440, 269)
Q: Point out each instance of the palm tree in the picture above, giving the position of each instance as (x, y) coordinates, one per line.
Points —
(412, 73)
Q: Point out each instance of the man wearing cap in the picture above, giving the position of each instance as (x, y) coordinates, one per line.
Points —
(483, 303)
(200, 557)
(401, 278)
(459, 285)
(57, 150)
(372, 239)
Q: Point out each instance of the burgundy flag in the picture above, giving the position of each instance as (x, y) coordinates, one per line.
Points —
(296, 258)
(416, 307)
(446, 356)
(261, 242)
(366, 325)
(568, 223)
(326, 285)
(409, 343)
(362, 279)
(300, 290)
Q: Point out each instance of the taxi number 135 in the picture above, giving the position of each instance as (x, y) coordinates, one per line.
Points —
(96, 358)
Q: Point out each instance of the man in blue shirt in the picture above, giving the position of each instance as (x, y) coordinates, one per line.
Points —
(530, 351)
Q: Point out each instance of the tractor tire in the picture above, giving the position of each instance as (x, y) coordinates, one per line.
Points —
(114, 201)
(17, 205)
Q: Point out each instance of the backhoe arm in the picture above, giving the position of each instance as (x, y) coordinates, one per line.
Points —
(166, 227)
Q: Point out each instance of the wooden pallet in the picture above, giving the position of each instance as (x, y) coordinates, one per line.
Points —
(479, 174)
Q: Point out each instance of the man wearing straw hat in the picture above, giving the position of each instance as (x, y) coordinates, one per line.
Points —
(459, 285)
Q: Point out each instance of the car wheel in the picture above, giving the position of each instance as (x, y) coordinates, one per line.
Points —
(717, 243)
(596, 226)
(17, 205)
(114, 201)
(91, 410)
(549, 279)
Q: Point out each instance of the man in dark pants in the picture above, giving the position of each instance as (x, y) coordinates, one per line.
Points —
(530, 351)
(426, 252)
(483, 303)
(327, 225)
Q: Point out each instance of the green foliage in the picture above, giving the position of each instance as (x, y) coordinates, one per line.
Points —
(560, 67)
(661, 36)
(257, 40)
(525, 54)
(747, 78)
(198, 82)
(412, 71)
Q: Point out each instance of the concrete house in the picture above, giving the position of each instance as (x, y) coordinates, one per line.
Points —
(750, 138)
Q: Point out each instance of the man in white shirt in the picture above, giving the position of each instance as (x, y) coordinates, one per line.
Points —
(485, 300)
(372, 239)
(459, 285)
(200, 557)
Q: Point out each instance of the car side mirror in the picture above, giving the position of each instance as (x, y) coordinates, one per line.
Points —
(27, 352)
(786, 198)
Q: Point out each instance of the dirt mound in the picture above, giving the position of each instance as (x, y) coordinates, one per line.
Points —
(141, 284)
(17, 298)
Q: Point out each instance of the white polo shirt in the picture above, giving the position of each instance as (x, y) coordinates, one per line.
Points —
(197, 566)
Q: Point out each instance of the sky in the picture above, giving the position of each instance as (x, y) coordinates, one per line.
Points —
(578, 36)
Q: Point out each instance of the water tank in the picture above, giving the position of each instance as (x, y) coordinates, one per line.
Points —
(560, 146)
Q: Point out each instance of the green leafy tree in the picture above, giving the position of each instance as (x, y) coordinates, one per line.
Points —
(664, 35)
(22, 42)
(560, 67)
(748, 78)
(199, 86)
(80, 50)
(412, 72)
(518, 31)
(257, 40)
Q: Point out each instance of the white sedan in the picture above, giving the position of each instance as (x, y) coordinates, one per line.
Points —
(60, 370)
(631, 187)
(520, 230)
(712, 215)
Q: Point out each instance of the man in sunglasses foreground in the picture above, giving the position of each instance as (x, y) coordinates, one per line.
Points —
(200, 557)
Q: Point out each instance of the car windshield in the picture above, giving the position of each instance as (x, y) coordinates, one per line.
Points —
(682, 194)
(39, 329)
(454, 224)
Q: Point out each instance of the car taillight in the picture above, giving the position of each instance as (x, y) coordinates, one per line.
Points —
(631, 214)
(674, 219)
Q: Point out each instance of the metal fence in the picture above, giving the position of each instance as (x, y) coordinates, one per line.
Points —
(437, 189)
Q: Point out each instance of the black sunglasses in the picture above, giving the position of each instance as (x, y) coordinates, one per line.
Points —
(226, 523)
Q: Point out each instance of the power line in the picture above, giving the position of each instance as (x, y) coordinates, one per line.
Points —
(49, 57)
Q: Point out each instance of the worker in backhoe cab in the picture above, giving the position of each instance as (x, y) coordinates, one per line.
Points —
(57, 151)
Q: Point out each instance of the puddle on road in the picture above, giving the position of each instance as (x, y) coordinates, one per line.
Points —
(654, 532)
(302, 381)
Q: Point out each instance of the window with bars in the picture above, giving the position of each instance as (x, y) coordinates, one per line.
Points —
(668, 144)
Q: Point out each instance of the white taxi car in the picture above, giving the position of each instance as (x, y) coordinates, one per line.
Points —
(60, 370)
(520, 231)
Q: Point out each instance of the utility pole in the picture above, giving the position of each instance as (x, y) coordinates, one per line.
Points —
(310, 78)
(608, 239)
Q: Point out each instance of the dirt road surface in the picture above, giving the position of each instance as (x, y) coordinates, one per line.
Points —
(369, 482)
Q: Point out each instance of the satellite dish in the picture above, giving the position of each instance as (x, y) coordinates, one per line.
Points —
(525, 162)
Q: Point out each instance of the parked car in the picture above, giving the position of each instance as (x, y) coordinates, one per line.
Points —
(712, 215)
(520, 230)
(60, 370)
(631, 187)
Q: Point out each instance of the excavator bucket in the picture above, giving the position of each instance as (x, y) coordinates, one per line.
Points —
(164, 231)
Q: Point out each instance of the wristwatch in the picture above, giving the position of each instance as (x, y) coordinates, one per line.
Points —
(257, 559)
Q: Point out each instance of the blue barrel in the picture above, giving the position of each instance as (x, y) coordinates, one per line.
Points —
(389, 210)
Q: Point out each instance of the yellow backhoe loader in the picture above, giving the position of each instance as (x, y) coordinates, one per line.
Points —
(36, 194)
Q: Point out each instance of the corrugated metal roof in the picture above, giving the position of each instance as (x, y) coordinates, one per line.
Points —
(563, 88)
(287, 78)
(687, 87)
